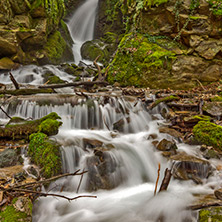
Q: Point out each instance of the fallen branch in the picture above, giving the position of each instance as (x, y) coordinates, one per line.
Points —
(100, 77)
(81, 83)
(51, 194)
(15, 83)
(76, 173)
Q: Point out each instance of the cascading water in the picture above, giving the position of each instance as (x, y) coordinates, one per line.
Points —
(122, 166)
(81, 26)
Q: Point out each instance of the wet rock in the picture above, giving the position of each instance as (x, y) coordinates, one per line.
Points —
(213, 108)
(101, 168)
(218, 194)
(119, 125)
(209, 152)
(152, 136)
(211, 74)
(8, 157)
(171, 132)
(166, 145)
(91, 143)
(189, 167)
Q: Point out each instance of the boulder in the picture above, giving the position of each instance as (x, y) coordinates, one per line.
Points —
(166, 145)
(189, 167)
(213, 108)
(8, 157)
(8, 43)
(6, 64)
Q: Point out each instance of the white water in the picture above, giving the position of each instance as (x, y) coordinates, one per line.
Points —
(81, 26)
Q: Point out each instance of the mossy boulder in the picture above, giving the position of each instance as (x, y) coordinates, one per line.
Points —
(91, 49)
(45, 153)
(208, 133)
(52, 78)
(50, 126)
(140, 62)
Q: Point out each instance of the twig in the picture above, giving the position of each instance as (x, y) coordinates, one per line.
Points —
(204, 205)
(5, 113)
(201, 85)
(52, 194)
(158, 177)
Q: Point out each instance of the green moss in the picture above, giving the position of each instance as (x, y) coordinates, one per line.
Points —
(45, 153)
(216, 7)
(25, 128)
(136, 58)
(49, 126)
(213, 214)
(52, 79)
(202, 118)
(10, 214)
(216, 99)
(208, 133)
(165, 99)
(26, 91)
(55, 47)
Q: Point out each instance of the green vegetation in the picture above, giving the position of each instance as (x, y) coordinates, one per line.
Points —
(45, 153)
(208, 133)
(55, 47)
(24, 129)
(216, 7)
(52, 78)
(165, 99)
(216, 99)
(213, 214)
(10, 214)
(136, 59)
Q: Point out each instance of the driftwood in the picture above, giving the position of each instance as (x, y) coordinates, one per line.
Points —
(81, 83)
(26, 91)
(166, 180)
(14, 81)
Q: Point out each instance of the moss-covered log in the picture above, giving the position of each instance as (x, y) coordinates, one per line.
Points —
(22, 129)
(25, 91)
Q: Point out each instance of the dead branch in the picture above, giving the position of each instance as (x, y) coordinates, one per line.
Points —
(158, 177)
(79, 183)
(166, 180)
(46, 180)
(81, 83)
(51, 194)
(5, 113)
(15, 83)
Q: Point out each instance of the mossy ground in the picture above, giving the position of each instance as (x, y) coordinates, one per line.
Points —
(45, 153)
(208, 133)
(213, 214)
(138, 61)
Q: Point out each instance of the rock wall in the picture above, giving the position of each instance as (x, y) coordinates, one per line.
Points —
(28, 30)
(189, 31)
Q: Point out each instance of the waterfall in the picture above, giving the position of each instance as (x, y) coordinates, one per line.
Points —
(82, 25)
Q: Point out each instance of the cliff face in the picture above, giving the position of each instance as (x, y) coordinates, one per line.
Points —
(172, 43)
(29, 32)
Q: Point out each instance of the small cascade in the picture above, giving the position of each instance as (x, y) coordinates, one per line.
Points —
(82, 25)
(114, 114)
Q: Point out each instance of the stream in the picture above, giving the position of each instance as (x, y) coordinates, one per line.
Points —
(122, 162)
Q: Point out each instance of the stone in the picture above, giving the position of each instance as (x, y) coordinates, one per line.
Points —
(195, 40)
(6, 64)
(91, 143)
(213, 108)
(166, 145)
(8, 43)
(6, 12)
(189, 167)
(212, 74)
(18, 6)
(8, 157)
(209, 49)
(171, 132)
(119, 125)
